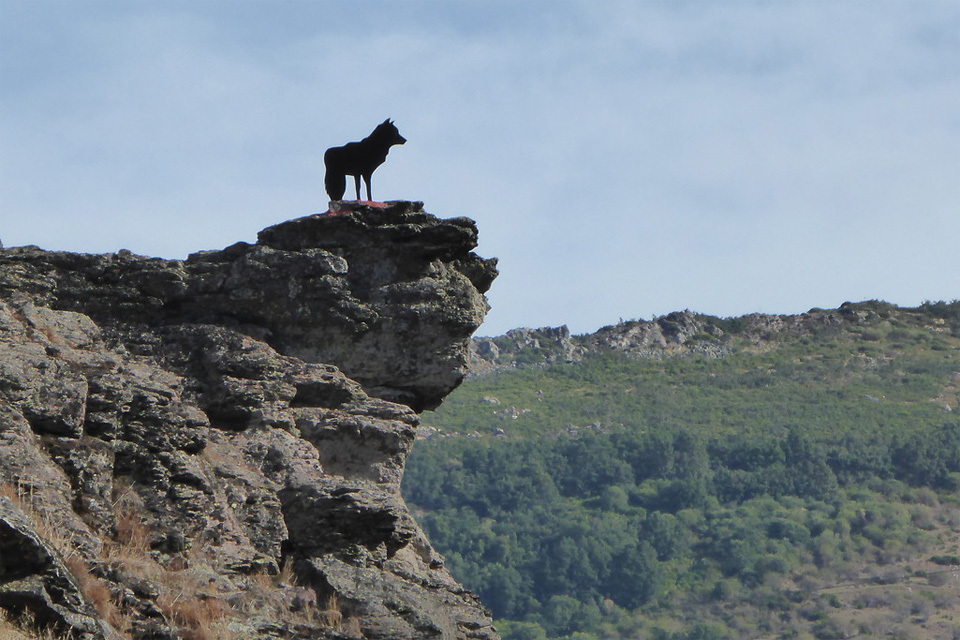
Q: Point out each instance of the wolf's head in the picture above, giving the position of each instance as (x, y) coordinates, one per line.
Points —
(388, 132)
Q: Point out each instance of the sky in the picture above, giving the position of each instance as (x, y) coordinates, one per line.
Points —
(622, 159)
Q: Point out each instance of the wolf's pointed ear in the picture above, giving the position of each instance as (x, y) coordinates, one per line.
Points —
(387, 121)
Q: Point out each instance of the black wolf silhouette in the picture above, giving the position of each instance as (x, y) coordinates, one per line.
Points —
(359, 159)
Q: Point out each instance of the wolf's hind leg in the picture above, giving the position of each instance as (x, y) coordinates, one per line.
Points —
(366, 180)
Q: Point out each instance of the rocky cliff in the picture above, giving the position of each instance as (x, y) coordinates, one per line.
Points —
(213, 448)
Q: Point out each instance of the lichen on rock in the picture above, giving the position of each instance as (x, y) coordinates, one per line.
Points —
(230, 430)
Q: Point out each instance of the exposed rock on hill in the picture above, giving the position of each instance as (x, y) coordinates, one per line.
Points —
(673, 334)
(219, 442)
(677, 334)
(547, 345)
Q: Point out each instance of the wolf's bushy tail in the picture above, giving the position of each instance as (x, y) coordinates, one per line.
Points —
(334, 179)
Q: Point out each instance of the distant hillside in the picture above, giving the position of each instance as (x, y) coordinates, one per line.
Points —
(764, 476)
(685, 333)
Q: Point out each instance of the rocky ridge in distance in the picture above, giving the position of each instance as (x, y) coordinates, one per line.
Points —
(681, 334)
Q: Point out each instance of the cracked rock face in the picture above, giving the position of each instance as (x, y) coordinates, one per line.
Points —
(388, 295)
(230, 431)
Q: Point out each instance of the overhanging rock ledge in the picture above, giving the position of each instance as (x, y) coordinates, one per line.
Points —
(214, 419)
(389, 295)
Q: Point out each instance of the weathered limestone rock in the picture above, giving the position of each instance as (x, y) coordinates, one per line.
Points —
(230, 431)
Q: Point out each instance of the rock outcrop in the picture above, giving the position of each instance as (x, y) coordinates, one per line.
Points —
(543, 346)
(677, 334)
(213, 448)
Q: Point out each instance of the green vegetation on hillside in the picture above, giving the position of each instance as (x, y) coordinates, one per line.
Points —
(620, 497)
